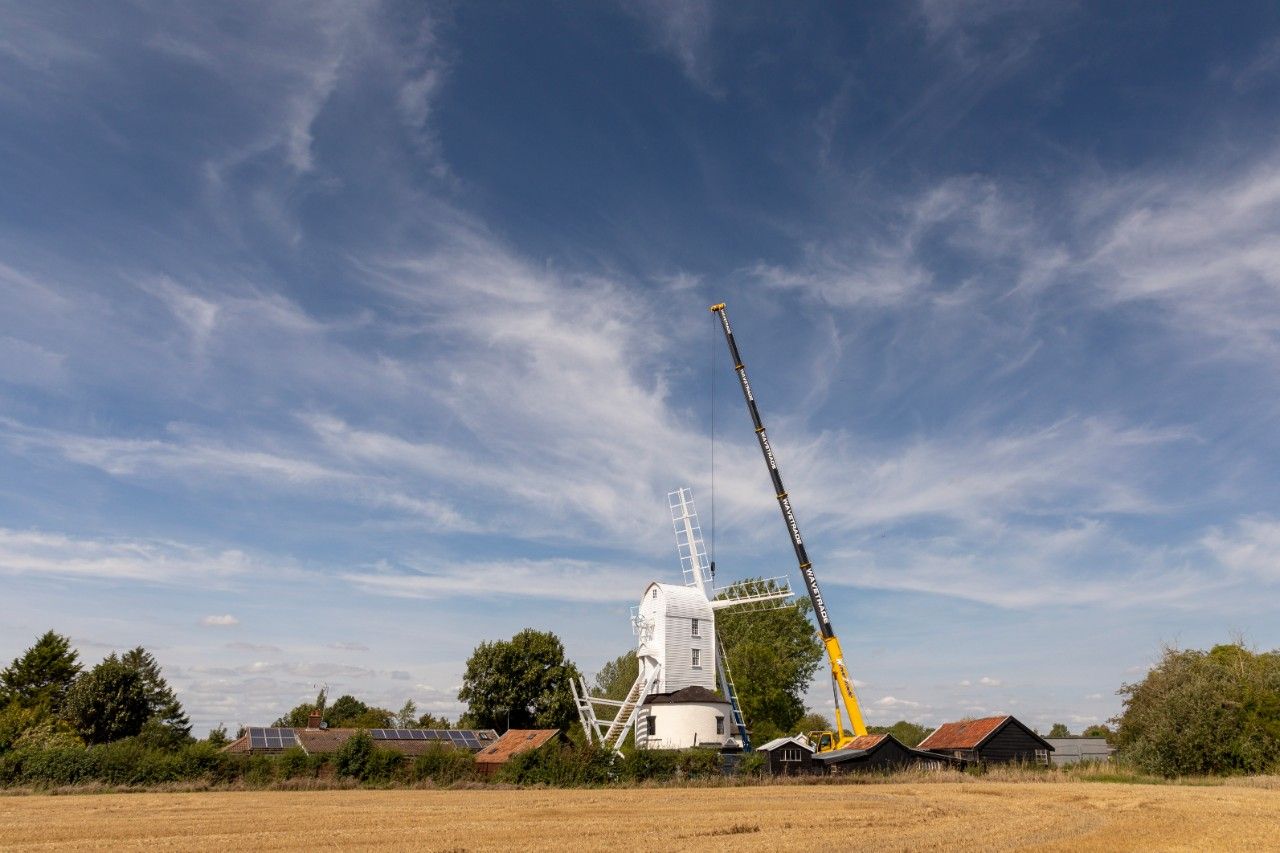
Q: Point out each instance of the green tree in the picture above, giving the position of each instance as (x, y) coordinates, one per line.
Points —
(171, 724)
(408, 715)
(1202, 712)
(813, 722)
(909, 734)
(430, 721)
(42, 675)
(344, 711)
(1098, 730)
(300, 716)
(1059, 730)
(108, 702)
(524, 679)
(218, 736)
(372, 718)
(615, 678)
(773, 656)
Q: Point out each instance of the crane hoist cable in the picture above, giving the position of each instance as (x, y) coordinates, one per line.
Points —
(835, 656)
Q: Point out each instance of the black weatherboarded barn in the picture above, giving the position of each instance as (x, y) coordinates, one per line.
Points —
(882, 752)
(789, 756)
(992, 740)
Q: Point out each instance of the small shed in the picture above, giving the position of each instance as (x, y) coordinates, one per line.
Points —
(1072, 750)
(789, 756)
(513, 742)
(991, 740)
(879, 752)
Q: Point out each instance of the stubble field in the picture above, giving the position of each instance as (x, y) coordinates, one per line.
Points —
(981, 815)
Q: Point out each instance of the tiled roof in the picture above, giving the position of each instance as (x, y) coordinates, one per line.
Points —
(514, 742)
(966, 734)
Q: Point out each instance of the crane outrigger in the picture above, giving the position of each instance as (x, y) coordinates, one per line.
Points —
(835, 656)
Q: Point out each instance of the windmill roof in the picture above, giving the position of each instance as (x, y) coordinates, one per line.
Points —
(694, 694)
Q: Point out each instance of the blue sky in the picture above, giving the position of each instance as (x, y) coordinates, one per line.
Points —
(337, 338)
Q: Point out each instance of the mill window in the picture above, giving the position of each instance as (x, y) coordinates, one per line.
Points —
(651, 725)
(697, 658)
(719, 725)
(695, 628)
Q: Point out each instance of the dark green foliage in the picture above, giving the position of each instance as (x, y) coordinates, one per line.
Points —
(373, 718)
(524, 679)
(560, 766)
(107, 703)
(430, 721)
(700, 764)
(122, 762)
(17, 720)
(218, 736)
(295, 763)
(773, 656)
(753, 764)
(909, 734)
(1098, 730)
(444, 766)
(353, 756)
(643, 765)
(359, 758)
(42, 675)
(1059, 730)
(812, 722)
(1215, 712)
(344, 709)
(171, 721)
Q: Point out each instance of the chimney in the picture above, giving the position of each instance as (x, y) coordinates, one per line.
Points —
(313, 721)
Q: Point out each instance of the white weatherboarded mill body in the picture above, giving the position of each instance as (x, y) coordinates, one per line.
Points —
(673, 703)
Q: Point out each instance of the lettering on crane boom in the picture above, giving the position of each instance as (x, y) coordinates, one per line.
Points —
(746, 386)
(768, 451)
(791, 520)
(816, 594)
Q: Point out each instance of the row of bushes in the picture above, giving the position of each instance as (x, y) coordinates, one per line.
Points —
(133, 762)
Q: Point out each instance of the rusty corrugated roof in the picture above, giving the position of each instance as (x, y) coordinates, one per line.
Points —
(965, 734)
(864, 742)
(514, 742)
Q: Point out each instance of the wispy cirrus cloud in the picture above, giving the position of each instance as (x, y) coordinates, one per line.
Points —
(36, 552)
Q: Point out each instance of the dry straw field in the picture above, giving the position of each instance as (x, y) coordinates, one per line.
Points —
(901, 816)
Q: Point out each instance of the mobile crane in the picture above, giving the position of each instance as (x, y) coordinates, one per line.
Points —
(825, 741)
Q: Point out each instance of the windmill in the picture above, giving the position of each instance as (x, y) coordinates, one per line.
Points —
(681, 659)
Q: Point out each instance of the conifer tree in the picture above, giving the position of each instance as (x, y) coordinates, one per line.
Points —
(42, 675)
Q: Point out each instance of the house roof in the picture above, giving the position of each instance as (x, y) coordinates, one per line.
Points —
(513, 742)
(322, 741)
(971, 734)
(795, 740)
(865, 741)
(686, 695)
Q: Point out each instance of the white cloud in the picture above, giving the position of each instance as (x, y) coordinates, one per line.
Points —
(155, 561)
(1203, 249)
(226, 620)
(682, 28)
(1250, 548)
(987, 681)
(554, 579)
(894, 702)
